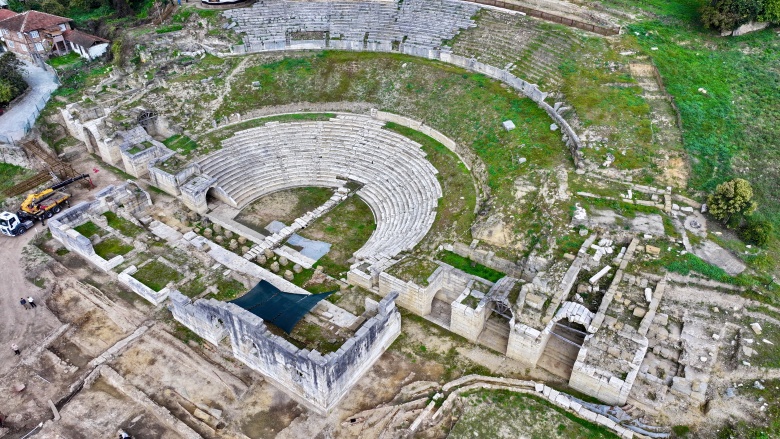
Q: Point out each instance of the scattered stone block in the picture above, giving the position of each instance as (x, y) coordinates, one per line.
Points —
(534, 301)
(652, 250)
(297, 268)
(283, 261)
(261, 259)
(639, 312)
(509, 125)
(275, 267)
(756, 328)
(288, 275)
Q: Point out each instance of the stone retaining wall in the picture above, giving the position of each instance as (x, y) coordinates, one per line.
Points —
(486, 258)
(319, 381)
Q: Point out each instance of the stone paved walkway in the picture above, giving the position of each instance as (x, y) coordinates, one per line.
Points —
(42, 84)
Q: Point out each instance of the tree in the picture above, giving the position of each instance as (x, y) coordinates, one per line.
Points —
(53, 7)
(771, 11)
(10, 73)
(756, 231)
(730, 198)
(725, 15)
(6, 91)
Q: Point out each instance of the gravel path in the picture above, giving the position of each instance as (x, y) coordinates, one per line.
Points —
(20, 326)
(42, 84)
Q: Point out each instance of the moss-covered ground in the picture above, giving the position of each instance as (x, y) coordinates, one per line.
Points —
(157, 275)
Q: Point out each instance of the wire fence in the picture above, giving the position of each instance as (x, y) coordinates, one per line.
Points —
(29, 122)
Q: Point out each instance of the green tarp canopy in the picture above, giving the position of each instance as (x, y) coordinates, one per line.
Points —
(275, 306)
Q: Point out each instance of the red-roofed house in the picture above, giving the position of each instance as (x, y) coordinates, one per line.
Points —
(4, 13)
(86, 45)
(34, 34)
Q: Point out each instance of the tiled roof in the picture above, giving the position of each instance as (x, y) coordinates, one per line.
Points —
(31, 20)
(82, 39)
(6, 13)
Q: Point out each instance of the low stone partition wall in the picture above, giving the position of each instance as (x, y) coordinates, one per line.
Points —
(318, 381)
(61, 228)
(154, 297)
(131, 198)
(425, 129)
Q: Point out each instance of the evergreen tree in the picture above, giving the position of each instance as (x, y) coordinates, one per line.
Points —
(730, 198)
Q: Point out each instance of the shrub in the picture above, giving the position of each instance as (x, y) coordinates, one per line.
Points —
(728, 14)
(756, 231)
(12, 84)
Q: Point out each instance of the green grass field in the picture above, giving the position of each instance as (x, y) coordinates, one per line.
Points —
(732, 130)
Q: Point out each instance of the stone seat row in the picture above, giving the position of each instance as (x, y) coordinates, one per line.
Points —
(400, 186)
(236, 181)
(339, 162)
(419, 21)
(323, 146)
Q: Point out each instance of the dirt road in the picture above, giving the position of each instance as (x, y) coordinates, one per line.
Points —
(20, 326)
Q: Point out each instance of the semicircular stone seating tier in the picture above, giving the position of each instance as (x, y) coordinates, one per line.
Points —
(421, 28)
(277, 24)
(398, 183)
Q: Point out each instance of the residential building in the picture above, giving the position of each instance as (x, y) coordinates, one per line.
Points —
(36, 35)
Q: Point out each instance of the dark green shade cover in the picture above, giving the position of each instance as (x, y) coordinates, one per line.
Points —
(275, 306)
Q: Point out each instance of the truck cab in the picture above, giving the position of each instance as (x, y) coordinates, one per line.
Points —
(12, 225)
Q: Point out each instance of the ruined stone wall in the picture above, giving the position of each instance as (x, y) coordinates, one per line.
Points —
(413, 297)
(360, 278)
(410, 295)
(526, 344)
(466, 321)
(137, 165)
(61, 227)
(603, 384)
(486, 258)
(168, 182)
(316, 380)
(154, 297)
(133, 201)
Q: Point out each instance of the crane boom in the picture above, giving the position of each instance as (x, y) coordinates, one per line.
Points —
(68, 181)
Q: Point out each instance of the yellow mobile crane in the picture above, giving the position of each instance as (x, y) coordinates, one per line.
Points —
(38, 206)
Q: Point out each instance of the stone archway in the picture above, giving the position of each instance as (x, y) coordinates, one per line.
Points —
(90, 141)
(567, 332)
